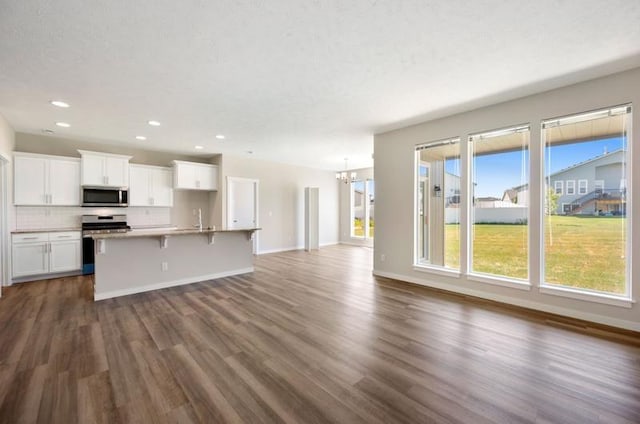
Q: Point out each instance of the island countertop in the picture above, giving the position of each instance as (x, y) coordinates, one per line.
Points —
(151, 259)
(164, 232)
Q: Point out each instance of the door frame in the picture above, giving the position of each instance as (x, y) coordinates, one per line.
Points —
(256, 203)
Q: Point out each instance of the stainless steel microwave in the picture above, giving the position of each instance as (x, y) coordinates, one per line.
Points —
(105, 196)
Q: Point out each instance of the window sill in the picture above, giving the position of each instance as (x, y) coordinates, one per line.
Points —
(432, 269)
(502, 282)
(587, 296)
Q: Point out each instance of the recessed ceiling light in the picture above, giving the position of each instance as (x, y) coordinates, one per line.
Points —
(63, 124)
(154, 123)
(199, 147)
(59, 103)
(220, 137)
(141, 137)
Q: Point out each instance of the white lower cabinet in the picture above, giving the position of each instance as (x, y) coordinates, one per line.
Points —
(30, 259)
(46, 253)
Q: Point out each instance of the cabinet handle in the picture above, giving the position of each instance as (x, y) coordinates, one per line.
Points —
(107, 178)
(63, 236)
(197, 183)
(29, 238)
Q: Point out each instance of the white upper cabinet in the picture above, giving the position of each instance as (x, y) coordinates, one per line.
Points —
(64, 182)
(150, 186)
(46, 180)
(195, 176)
(162, 187)
(104, 169)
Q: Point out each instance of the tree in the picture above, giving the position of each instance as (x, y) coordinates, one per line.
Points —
(551, 202)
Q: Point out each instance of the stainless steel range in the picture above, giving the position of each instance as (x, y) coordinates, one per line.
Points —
(98, 224)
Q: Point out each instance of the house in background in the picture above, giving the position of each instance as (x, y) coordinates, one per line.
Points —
(591, 187)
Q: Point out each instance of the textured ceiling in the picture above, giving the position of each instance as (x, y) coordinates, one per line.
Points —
(294, 81)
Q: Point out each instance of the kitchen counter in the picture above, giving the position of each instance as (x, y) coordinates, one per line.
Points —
(160, 232)
(151, 259)
(50, 230)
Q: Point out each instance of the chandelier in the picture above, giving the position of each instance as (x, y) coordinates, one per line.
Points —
(345, 176)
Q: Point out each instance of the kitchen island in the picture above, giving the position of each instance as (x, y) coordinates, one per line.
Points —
(144, 260)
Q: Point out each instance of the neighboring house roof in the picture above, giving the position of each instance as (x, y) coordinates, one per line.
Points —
(577, 165)
(510, 194)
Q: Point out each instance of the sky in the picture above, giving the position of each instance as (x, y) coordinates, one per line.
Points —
(498, 172)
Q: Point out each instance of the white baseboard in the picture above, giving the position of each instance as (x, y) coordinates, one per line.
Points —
(167, 284)
(355, 243)
(278, 250)
(291, 248)
(600, 319)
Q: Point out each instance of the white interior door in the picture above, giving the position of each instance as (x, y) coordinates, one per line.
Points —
(242, 204)
(242, 196)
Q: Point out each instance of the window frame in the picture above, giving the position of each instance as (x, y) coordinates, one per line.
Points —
(366, 209)
(494, 279)
(558, 184)
(418, 263)
(586, 187)
(597, 183)
(573, 187)
(624, 300)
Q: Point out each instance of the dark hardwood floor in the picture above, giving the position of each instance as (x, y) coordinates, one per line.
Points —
(307, 338)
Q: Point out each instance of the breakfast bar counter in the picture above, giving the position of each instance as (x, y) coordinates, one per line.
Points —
(151, 259)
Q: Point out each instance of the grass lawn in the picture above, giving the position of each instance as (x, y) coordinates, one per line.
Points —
(584, 252)
(358, 228)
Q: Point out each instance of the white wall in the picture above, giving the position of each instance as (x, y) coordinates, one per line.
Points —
(281, 201)
(345, 207)
(394, 176)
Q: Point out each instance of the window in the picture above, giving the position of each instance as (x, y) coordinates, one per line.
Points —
(598, 186)
(585, 242)
(357, 209)
(437, 235)
(362, 209)
(569, 208)
(582, 186)
(558, 186)
(500, 203)
(371, 204)
(571, 187)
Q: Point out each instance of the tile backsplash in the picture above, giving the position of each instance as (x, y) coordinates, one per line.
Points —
(42, 218)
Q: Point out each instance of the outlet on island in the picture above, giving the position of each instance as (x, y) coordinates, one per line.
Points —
(165, 266)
